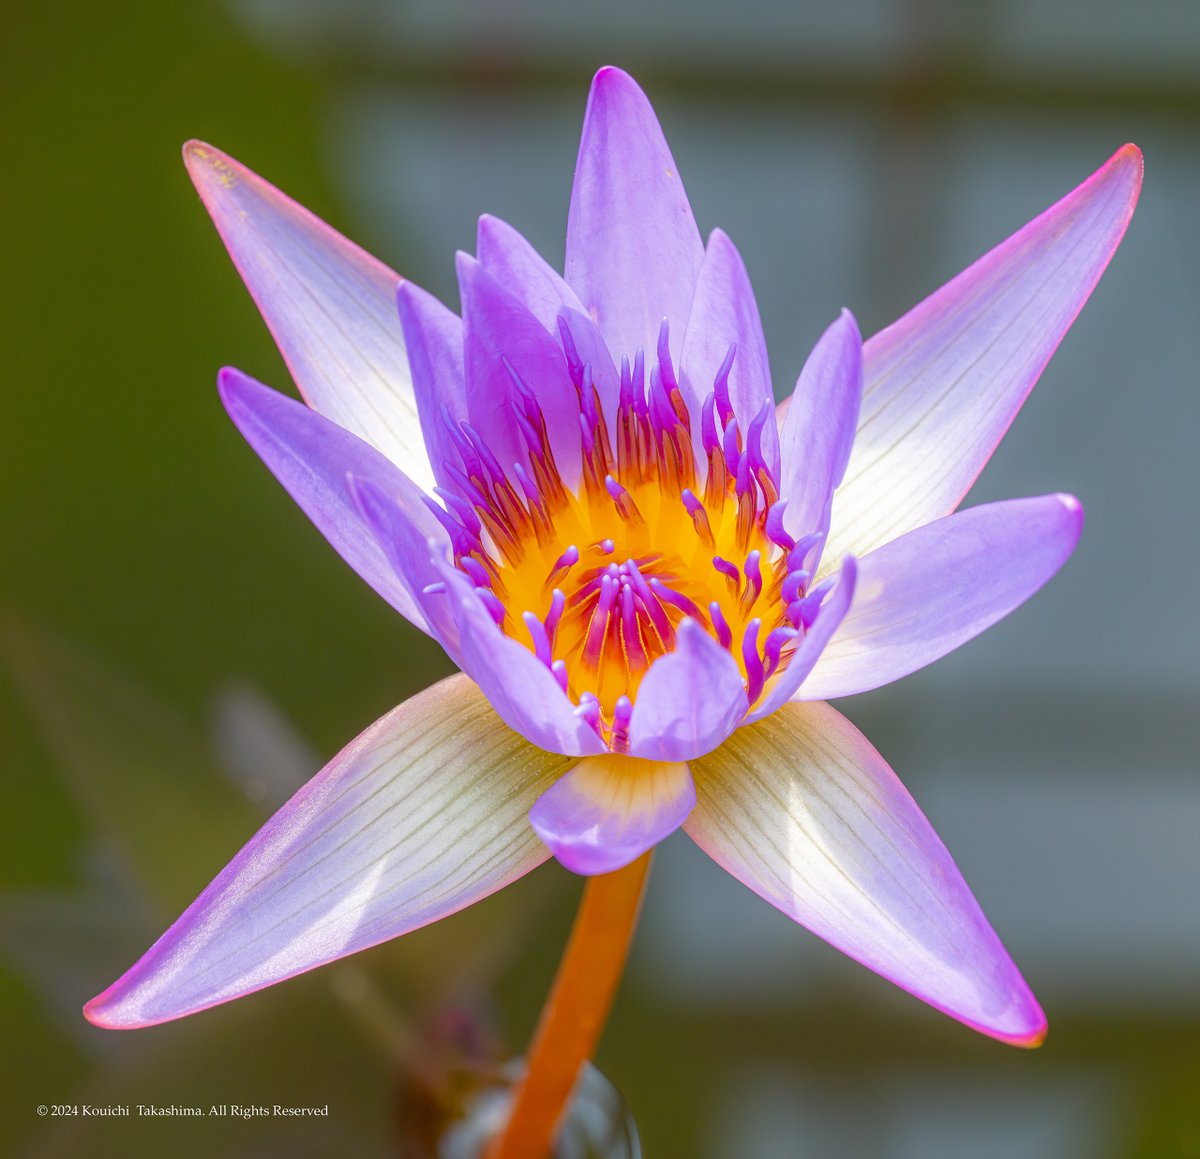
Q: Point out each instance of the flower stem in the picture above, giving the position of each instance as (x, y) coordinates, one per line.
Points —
(575, 1011)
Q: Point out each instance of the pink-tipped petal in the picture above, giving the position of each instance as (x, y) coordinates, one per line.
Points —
(689, 701)
(633, 249)
(499, 329)
(608, 810)
(808, 653)
(422, 815)
(724, 314)
(330, 307)
(943, 383)
(433, 336)
(805, 812)
(819, 426)
(922, 595)
(312, 457)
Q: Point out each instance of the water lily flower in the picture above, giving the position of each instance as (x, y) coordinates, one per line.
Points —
(650, 577)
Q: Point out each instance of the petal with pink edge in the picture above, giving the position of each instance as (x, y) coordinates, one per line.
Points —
(804, 811)
(424, 814)
(690, 699)
(942, 384)
(608, 810)
(633, 249)
(329, 305)
(924, 594)
(312, 457)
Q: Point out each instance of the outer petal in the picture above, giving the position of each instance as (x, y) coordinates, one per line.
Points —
(819, 427)
(608, 810)
(943, 383)
(433, 336)
(831, 613)
(419, 817)
(498, 329)
(929, 591)
(633, 249)
(805, 812)
(312, 457)
(689, 701)
(330, 306)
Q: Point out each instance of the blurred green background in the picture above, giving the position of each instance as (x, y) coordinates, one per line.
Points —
(178, 646)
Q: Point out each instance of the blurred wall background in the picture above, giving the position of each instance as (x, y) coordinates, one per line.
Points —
(179, 647)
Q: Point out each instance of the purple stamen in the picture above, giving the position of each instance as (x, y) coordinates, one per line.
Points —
(729, 445)
(654, 609)
(755, 675)
(709, 438)
(461, 443)
(676, 599)
(589, 710)
(463, 510)
(630, 630)
(804, 546)
(567, 560)
(598, 628)
(753, 572)
(484, 452)
(775, 530)
(729, 571)
(574, 362)
(533, 497)
(773, 648)
(559, 668)
(460, 541)
(724, 633)
(721, 388)
(541, 641)
(558, 602)
(476, 572)
(493, 605)
(793, 586)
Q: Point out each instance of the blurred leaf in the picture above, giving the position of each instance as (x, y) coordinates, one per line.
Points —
(260, 750)
(140, 773)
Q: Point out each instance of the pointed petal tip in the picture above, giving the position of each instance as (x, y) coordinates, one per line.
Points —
(610, 74)
(209, 167)
(1030, 1036)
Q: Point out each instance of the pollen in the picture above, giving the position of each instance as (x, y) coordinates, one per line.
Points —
(675, 515)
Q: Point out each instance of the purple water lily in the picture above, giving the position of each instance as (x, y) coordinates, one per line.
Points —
(583, 491)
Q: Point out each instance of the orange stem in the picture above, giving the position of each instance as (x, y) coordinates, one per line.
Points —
(575, 1011)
